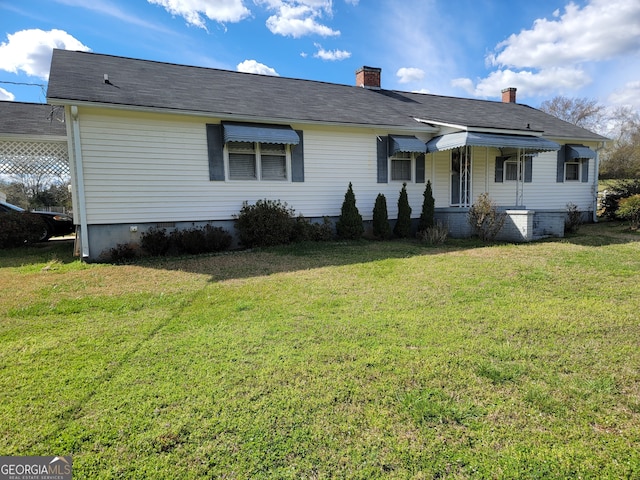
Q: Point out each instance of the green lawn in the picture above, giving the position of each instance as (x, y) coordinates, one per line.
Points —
(340, 360)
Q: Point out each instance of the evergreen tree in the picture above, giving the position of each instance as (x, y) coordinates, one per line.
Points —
(381, 228)
(428, 209)
(349, 226)
(403, 224)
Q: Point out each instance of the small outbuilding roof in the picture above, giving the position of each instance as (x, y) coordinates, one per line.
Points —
(31, 119)
(82, 77)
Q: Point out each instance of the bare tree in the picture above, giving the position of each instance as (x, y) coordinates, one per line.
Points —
(583, 112)
(621, 156)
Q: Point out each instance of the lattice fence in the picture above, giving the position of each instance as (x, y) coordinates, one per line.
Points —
(34, 158)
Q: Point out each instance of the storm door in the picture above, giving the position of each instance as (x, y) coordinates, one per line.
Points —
(461, 177)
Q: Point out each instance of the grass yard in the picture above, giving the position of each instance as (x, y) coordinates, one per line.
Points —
(340, 360)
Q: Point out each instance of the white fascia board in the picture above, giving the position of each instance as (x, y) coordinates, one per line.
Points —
(231, 117)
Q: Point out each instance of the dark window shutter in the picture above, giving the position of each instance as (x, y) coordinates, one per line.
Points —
(528, 169)
(560, 167)
(585, 170)
(383, 159)
(420, 169)
(297, 160)
(215, 147)
(499, 178)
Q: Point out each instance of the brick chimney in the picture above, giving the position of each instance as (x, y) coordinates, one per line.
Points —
(509, 95)
(368, 77)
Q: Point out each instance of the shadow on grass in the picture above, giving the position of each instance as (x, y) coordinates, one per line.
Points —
(602, 234)
(243, 264)
(60, 250)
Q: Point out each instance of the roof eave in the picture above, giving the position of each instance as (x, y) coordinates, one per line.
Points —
(237, 117)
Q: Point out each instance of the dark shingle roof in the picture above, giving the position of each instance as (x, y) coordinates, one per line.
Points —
(79, 77)
(17, 118)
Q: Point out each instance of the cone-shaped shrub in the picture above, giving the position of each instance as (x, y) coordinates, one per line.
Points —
(381, 228)
(349, 226)
(428, 209)
(403, 224)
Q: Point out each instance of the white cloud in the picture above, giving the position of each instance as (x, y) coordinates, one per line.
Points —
(559, 80)
(297, 18)
(252, 66)
(331, 55)
(30, 51)
(410, 75)
(6, 95)
(217, 10)
(602, 30)
(629, 95)
(554, 56)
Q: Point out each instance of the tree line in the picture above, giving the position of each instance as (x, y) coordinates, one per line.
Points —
(620, 158)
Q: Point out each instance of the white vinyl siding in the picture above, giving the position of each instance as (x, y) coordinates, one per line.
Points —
(144, 167)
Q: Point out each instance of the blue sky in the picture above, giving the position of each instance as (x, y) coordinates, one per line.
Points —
(467, 48)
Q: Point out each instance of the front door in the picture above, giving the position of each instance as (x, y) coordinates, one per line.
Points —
(460, 177)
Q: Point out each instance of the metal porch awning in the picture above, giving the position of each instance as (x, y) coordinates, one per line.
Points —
(256, 132)
(478, 139)
(575, 152)
(406, 143)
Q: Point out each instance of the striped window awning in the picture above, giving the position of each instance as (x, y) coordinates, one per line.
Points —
(575, 152)
(262, 133)
(406, 143)
(480, 139)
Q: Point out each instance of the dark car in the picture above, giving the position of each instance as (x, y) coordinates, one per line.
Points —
(57, 224)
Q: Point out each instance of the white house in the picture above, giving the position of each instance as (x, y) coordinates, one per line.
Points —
(156, 144)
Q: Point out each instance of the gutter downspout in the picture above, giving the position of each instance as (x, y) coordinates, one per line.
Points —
(596, 175)
(82, 209)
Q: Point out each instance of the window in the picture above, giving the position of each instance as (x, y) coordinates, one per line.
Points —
(511, 171)
(401, 166)
(257, 161)
(572, 171)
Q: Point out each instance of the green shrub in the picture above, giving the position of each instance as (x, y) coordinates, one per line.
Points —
(349, 226)
(428, 209)
(485, 219)
(266, 223)
(200, 240)
(155, 241)
(618, 191)
(574, 219)
(402, 229)
(306, 231)
(121, 253)
(16, 229)
(436, 234)
(381, 228)
(629, 209)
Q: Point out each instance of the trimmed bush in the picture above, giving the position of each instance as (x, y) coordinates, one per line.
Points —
(16, 229)
(381, 228)
(428, 209)
(305, 231)
(574, 219)
(201, 240)
(121, 253)
(485, 219)
(155, 242)
(402, 228)
(629, 209)
(349, 225)
(266, 223)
